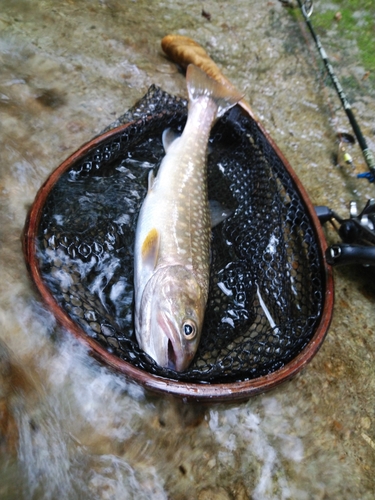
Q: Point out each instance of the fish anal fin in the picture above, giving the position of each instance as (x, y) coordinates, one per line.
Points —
(150, 248)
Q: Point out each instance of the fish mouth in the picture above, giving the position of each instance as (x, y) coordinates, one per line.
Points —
(172, 354)
(172, 359)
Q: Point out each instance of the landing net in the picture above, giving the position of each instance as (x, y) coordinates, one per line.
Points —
(267, 285)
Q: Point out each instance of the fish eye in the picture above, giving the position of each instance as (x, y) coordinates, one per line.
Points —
(189, 329)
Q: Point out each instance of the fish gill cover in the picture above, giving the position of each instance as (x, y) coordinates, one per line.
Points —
(266, 282)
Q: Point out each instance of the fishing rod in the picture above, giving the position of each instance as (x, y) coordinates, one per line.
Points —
(307, 9)
(358, 231)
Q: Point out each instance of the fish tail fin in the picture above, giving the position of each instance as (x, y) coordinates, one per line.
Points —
(200, 84)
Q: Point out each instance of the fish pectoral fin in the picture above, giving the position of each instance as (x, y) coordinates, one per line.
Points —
(218, 212)
(168, 137)
(151, 180)
(150, 249)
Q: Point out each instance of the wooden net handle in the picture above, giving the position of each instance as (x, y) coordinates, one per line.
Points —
(184, 51)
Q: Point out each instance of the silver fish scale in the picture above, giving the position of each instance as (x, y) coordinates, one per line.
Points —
(265, 290)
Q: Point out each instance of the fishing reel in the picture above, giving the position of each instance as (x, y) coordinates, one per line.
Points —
(357, 234)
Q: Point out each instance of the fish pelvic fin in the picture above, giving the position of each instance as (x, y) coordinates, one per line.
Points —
(200, 84)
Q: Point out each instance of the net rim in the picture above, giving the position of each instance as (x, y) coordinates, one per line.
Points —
(204, 392)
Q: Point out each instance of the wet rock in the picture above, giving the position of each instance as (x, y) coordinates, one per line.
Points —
(172, 453)
(8, 426)
(239, 491)
(213, 494)
(50, 98)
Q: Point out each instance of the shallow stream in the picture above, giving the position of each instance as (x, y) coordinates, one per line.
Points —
(70, 428)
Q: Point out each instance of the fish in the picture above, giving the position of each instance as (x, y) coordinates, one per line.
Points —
(173, 233)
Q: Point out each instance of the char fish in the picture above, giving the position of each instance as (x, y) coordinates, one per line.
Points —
(172, 244)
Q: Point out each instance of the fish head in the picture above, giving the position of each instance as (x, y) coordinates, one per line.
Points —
(170, 319)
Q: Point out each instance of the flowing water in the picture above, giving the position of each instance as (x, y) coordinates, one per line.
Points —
(69, 427)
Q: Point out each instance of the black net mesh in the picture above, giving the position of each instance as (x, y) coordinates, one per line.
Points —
(266, 288)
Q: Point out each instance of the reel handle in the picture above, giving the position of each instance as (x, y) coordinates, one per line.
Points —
(342, 254)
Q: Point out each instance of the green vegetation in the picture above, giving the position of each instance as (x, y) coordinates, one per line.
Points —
(357, 22)
(343, 21)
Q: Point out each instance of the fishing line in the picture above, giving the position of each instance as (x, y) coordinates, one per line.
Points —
(306, 8)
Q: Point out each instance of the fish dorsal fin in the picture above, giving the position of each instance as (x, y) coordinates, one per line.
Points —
(150, 249)
(169, 136)
(200, 84)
